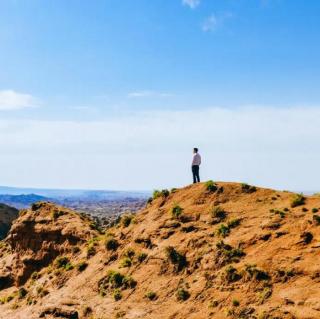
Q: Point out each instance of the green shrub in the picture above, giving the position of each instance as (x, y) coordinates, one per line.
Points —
(189, 229)
(223, 230)
(128, 282)
(315, 210)
(62, 262)
(213, 303)
(30, 301)
(234, 223)
(22, 292)
(149, 201)
(151, 295)
(255, 273)
(279, 212)
(165, 193)
(176, 211)
(117, 294)
(141, 257)
(156, 194)
(316, 219)
(81, 266)
(306, 237)
(129, 253)
(235, 303)
(284, 275)
(127, 219)
(75, 249)
(95, 225)
(6, 299)
(37, 205)
(162, 193)
(297, 200)
(56, 214)
(68, 266)
(246, 188)
(218, 214)
(111, 244)
(179, 260)
(211, 186)
(91, 251)
(228, 253)
(115, 280)
(126, 262)
(182, 294)
(265, 294)
(231, 274)
(41, 291)
(35, 275)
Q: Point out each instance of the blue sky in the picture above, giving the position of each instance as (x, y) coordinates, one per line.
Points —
(93, 93)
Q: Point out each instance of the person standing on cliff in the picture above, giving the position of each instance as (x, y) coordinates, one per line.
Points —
(196, 161)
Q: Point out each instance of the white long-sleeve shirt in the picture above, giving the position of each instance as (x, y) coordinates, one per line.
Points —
(196, 159)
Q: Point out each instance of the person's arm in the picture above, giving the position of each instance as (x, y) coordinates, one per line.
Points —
(193, 160)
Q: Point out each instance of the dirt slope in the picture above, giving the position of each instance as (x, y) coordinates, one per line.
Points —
(229, 252)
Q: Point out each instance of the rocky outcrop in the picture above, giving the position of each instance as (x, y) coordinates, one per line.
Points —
(7, 216)
(41, 234)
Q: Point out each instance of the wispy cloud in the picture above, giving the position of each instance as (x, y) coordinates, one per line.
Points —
(191, 3)
(12, 100)
(214, 21)
(148, 94)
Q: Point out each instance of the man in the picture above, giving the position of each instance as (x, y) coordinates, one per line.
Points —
(196, 161)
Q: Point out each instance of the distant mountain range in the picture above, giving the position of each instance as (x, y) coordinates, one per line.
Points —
(74, 193)
(24, 197)
(22, 201)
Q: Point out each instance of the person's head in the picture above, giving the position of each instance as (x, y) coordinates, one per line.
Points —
(195, 150)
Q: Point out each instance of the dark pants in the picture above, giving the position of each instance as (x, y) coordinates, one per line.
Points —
(195, 173)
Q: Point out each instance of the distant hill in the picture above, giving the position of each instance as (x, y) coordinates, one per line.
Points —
(61, 194)
(207, 251)
(22, 201)
(7, 215)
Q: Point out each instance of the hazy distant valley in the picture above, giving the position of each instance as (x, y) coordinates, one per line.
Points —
(104, 206)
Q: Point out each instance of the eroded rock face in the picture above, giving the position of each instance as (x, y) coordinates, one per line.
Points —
(7, 216)
(42, 233)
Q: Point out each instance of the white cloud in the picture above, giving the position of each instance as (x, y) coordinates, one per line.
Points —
(146, 94)
(12, 100)
(267, 146)
(214, 21)
(191, 3)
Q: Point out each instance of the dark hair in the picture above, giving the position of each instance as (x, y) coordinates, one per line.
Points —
(196, 149)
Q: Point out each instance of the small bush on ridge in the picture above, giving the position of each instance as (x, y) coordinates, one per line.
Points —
(298, 200)
(176, 211)
(182, 294)
(211, 186)
(176, 258)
